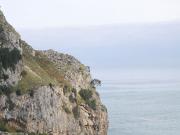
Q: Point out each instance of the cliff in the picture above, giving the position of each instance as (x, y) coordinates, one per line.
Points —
(45, 92)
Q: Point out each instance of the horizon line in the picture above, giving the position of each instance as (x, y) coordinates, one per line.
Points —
(100, 25)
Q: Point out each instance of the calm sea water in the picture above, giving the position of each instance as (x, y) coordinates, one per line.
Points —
(143, 103)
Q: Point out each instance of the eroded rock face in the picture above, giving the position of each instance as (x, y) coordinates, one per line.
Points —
(38, 101)
(48, 110)
(10, 54)
(74, 71)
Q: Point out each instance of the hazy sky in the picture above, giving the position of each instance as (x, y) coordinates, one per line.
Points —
(123, 46)
(58, 13)
(141, 33)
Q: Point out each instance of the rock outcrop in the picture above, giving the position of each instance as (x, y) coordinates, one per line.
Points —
(45, 92)
(10, 54)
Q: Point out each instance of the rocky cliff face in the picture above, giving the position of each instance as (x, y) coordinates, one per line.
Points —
(45, 92)
(10, 54)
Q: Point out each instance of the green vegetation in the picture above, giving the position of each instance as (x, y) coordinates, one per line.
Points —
(9, 59)
(67, 89)
(72, 99)
(5, 127)
(54, 76)
(31, 93)
(79, 100)
(11, 105)
(103, 108)
(4, 90)
(28, 82)
(92, 104)
(23, 73)
(76, 112)
(3, 76)
(18, 92)
(73, 95)
(86, 95)
(38, 71)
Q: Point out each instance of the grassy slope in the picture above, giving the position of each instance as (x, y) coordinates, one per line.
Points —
(38, 71)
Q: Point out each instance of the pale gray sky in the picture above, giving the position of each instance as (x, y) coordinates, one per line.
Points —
(141, 33)
(59, 13)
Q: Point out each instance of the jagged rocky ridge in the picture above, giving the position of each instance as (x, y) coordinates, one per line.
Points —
(45, 92)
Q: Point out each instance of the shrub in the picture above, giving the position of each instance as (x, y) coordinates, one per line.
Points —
(23, 73)
(72, 99)
(85, 94)
(3, 126)
(1, 93)
(80, 69)
(5, 90)
(9, 58)
(103, 108)
(66, 89)
(31, 93)
(51, 85)
(4, 76)
(76, 112)
(92, 104)
(95, 83)
(11, 104)
(18, 92)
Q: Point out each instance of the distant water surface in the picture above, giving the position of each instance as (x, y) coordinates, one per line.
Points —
(142, 103)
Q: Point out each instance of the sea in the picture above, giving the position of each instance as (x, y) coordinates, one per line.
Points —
(141, 102)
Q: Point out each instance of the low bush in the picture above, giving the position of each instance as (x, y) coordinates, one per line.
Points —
(8, 58)
(18, 92)
(5, 90)
(31, 93)
(11, 105)
(76, 112)
(85, 94)
(72, 99)
(3, 76)
(5, 127)
(67, 89)
(23, 73)
(92, 104)
(103, 108)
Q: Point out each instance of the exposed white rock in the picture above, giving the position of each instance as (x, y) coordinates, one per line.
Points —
(46, 108)
(75, 72)
(10, 39)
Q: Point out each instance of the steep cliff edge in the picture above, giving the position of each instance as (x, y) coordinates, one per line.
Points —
(45, 92)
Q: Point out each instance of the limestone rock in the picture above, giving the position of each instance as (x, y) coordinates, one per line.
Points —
(10, 54)
(45, 92)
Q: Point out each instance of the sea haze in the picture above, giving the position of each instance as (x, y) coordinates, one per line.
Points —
(139, 65)
(117, 46)
(142, 102)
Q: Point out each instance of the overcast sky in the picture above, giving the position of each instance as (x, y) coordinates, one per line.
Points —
(60, 13)
(140, 33)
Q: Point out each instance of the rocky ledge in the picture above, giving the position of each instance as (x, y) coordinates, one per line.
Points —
(45, 92)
